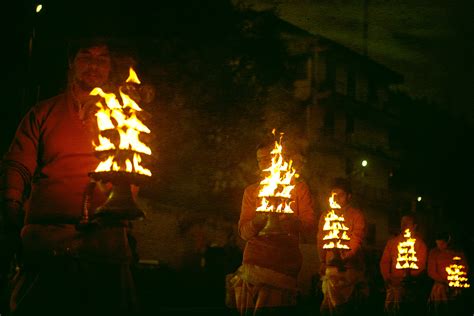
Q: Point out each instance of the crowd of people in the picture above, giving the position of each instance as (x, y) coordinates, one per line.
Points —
(266, 282)
(56, 268)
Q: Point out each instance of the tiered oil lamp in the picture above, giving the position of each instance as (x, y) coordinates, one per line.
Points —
(406, 259)
(120, 152)
(275, 190)
(457, 275)
(336, 239)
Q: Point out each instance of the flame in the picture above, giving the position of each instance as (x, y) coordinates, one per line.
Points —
(333, 203)
(278, 183)
(406, 252)
(121, 116)
(334, 225)
(457, 276)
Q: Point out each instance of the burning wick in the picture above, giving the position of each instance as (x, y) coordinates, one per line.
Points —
(121, 116)
(334, 225)
(457, 276)
(406, 253)
(277, 186)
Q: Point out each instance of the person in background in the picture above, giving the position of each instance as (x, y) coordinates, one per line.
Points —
(403, 290)
(266, 282)
(443, 299)
(343, 279)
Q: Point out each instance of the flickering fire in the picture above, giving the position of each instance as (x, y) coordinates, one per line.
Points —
(121, 116)
(276, 187)
(457, 276)
(406, 253)
(334, 225)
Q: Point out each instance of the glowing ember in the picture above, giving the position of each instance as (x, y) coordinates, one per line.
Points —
(337, 232)
(457, 276)
(406, 253)
(276, 187)
(121, 116)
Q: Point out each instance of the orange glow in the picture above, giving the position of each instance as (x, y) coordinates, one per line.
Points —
(457, 275)
(121, 116)
(334, 225)
(406, 253)
(276, 187)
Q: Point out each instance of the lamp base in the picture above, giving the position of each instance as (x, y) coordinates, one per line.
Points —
(120, 205)
(273, 225)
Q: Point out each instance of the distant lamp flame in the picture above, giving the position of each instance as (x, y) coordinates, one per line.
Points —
(457, 275)
(336, 236)
(407, 259)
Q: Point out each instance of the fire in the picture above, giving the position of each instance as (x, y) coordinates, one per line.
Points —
(120, 115)
(457, 276)
(276, 187)
(334, 225)
(406, 253)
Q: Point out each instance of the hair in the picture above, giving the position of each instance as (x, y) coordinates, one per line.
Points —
(411, 215)
(442, 235)
(266, 143)
(343, 184)
(76, 44)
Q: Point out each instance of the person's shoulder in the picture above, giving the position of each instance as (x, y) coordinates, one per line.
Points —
(50, 103)
(394, 239)
(252, 187)
(301, 185)
(354, 210)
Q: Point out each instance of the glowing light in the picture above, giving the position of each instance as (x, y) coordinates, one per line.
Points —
(276, 187)
(336, 236)
(406, 253)
(39, 7)
(457, 275)
(364, 163)
(120, 116)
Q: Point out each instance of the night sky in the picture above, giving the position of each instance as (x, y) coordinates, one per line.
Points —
(429, 42)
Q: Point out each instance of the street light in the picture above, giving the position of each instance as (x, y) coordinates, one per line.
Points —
(39, 7)
(419, 199)
(364, 163)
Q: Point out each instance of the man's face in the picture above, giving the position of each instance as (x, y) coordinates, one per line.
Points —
(441, 244)
(407, 223)
(92, 67)
(340, 196)
(264, 158)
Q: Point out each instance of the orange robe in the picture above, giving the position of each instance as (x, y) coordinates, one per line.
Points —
(338, 286)
(397, 293)
(388, 261)
(267, 277)
(354, 219)
(438, 261)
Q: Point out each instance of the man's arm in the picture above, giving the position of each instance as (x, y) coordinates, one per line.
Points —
(386, 261)
(305, 208)
(320, 243)
(358, 235)
(421, 254)
(432, 269)
(20, 162)
(250, 223)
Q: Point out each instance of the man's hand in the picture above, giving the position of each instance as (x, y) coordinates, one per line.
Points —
(12, 214)
(259, 221)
